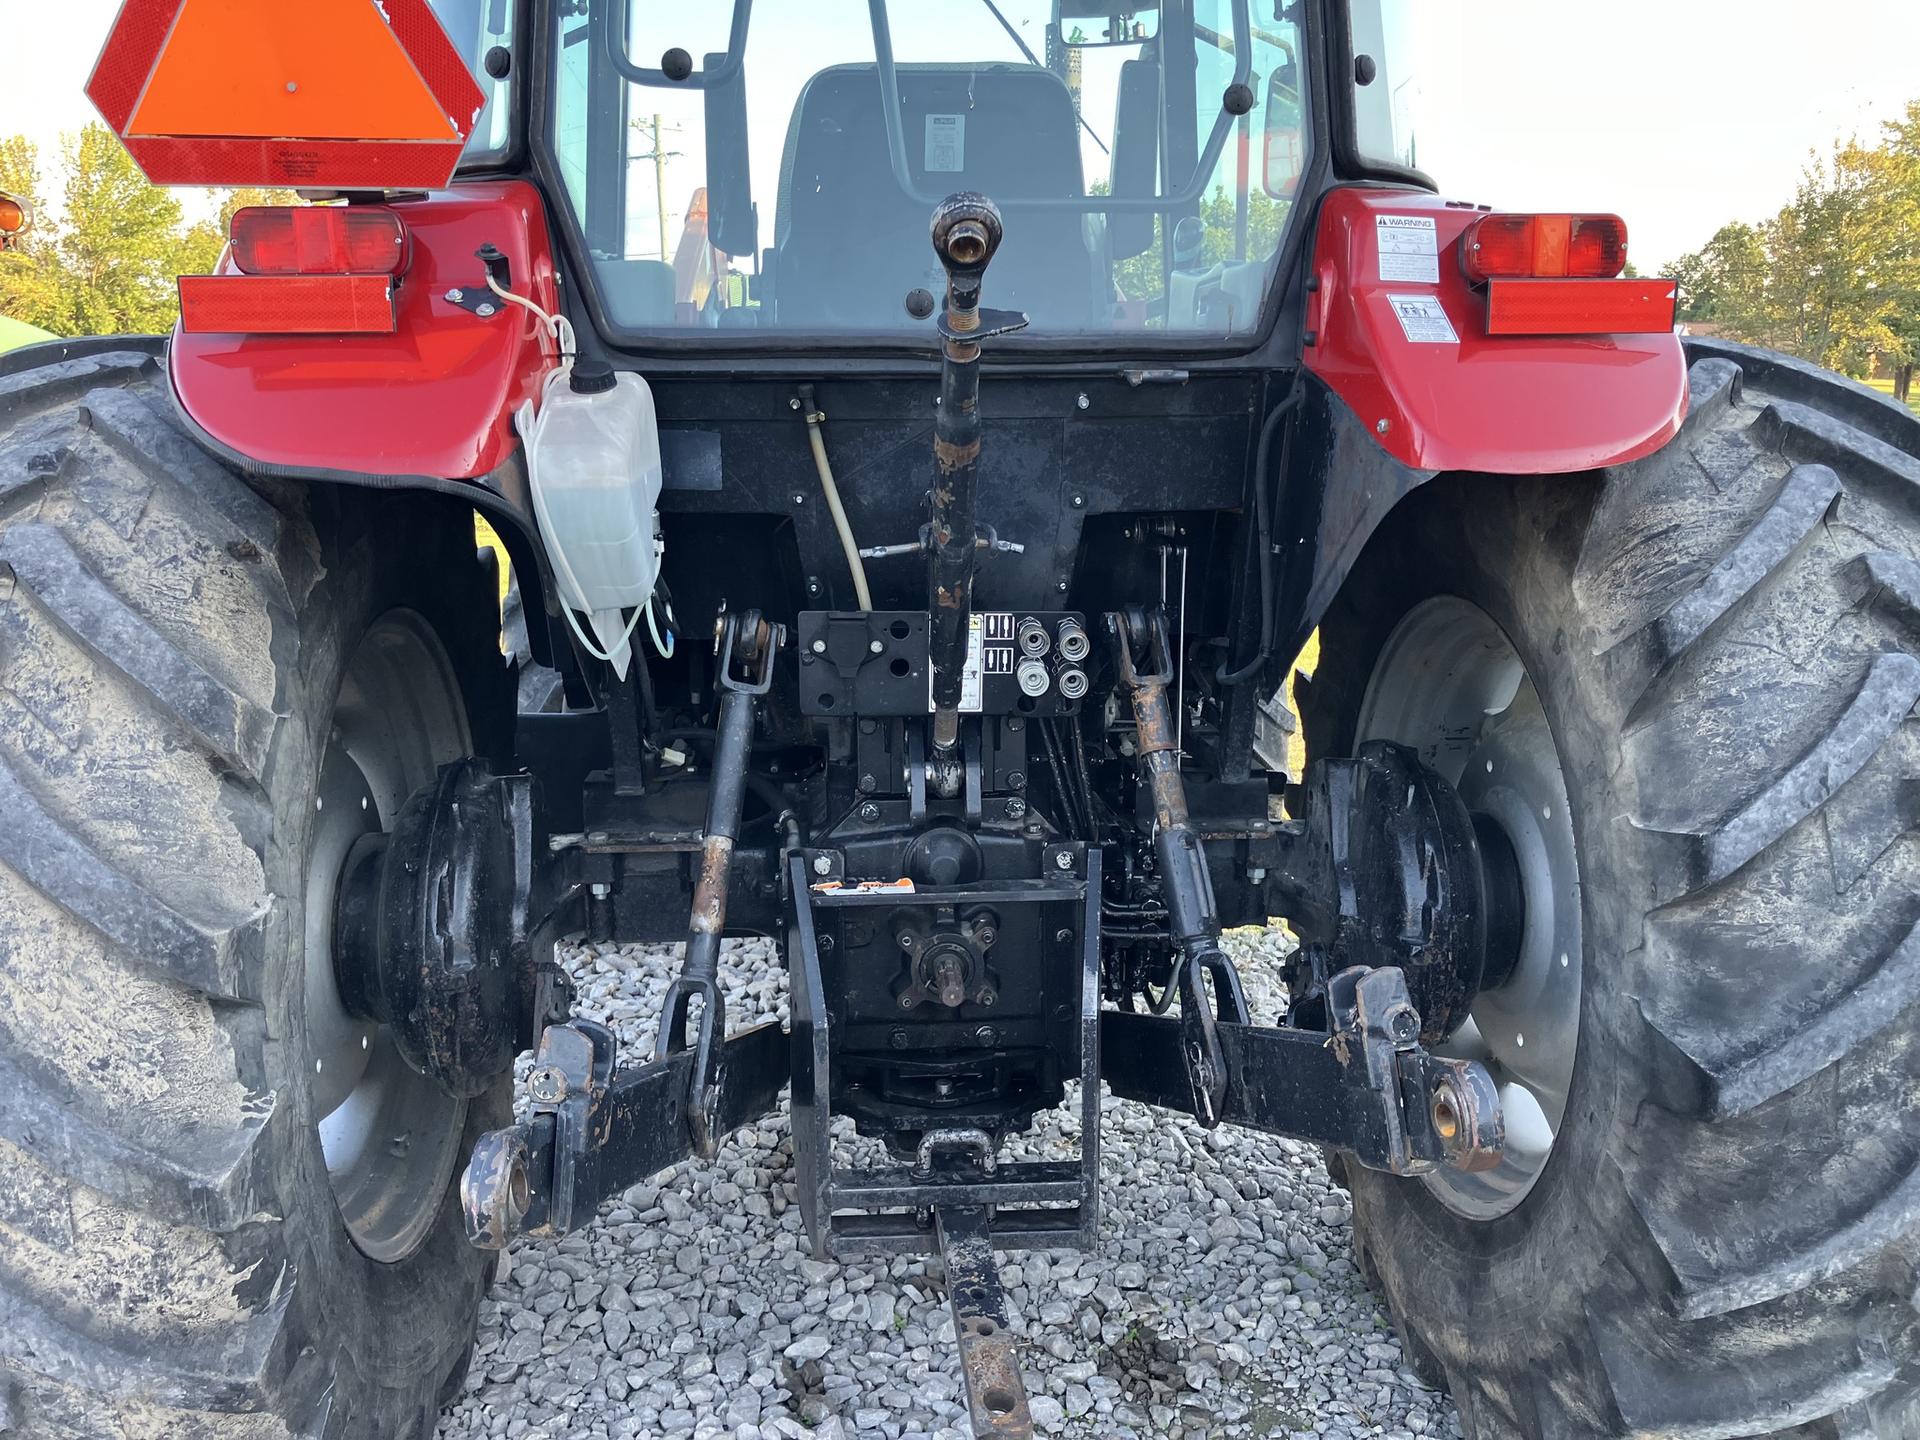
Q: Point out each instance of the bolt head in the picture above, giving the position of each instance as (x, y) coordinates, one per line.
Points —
(483, 310)
(1079, 502)
(869, 812)
(874, 647)
(867, 782)
(456, 296)
(823, 864)
(798, 498)
(1063, 860)
(1061, 586)
(1080, 401)
(898, 1039)
(985, 1035)
(1016, 809)
(1382, 425)
(819, 647)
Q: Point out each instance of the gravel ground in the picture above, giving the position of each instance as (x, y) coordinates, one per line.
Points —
(1223, 1299)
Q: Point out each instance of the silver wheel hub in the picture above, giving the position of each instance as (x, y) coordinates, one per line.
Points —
(1450, 684)
(390, 1135)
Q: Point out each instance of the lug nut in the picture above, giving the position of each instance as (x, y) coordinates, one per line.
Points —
(1034, 639)
(1073, 682)
(1033, 678)
(1073, 641)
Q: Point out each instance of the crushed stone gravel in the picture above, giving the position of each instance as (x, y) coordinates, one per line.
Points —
(1222, 1301)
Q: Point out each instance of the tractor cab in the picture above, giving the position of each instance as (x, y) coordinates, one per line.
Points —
(773, 170)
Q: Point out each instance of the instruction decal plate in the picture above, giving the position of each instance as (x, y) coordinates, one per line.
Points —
(1423, 319)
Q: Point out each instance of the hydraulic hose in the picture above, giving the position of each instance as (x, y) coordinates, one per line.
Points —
(1263, 531)
(832, 492)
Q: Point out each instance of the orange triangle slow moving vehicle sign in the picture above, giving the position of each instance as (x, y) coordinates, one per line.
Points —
(330, 94)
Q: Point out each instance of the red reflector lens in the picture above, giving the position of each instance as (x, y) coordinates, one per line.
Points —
(13, 215)
(1544, 246)
(287, 305)
(319, 240)
(1580, 307)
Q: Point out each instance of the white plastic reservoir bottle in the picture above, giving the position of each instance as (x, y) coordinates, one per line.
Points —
(593, 452)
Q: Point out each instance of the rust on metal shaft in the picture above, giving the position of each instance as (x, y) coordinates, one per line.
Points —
(709, 915)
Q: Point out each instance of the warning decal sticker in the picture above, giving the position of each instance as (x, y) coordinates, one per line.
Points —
(1424, 319)
(1409, 248)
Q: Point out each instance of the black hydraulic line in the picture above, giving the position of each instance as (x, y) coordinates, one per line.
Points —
(1263, 534)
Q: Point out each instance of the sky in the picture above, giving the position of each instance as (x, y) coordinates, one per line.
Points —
(1677, 114)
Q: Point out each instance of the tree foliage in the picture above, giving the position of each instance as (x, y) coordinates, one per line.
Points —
(1834, 276)
(103, 259)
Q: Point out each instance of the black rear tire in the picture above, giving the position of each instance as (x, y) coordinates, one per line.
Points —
(172, 641)
(1723, 1241)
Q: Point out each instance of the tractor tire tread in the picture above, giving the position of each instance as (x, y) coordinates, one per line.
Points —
(157, 612)
(1741, 609)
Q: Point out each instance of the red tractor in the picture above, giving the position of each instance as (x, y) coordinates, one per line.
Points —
(1602, 866)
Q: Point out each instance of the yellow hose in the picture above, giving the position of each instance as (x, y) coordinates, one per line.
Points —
(838, 512)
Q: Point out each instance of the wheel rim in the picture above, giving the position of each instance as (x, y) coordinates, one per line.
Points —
(390, 1136)
(1451, 685)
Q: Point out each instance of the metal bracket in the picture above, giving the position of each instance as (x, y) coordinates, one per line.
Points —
(476, 298)
(996, 1395)
(990, 322)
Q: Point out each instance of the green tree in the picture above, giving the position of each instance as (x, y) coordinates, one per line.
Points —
(1834, 276)
(106, 264)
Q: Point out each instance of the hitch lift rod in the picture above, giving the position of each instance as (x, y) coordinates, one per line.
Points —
(744, 646)
(1144, 655)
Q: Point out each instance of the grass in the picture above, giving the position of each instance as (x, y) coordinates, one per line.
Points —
(1885, 387)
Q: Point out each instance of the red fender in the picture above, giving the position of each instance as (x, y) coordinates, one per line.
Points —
(1514, 405)
(435, 398)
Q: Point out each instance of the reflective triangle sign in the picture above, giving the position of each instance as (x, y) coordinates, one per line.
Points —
(329, 94)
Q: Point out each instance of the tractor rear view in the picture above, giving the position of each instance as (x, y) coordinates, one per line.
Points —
(923, 436)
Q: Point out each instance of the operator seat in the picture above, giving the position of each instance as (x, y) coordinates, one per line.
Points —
(849, 244)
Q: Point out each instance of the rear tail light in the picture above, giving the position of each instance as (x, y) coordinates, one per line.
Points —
(1544, 247)
(13, 215)
(319, 240)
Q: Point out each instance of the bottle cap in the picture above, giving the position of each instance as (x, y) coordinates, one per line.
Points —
(591, 377)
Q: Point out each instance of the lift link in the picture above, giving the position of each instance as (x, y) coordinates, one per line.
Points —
(1145, 660)
(745, 646)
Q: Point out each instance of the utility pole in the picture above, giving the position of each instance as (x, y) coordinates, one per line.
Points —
(652, 128)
